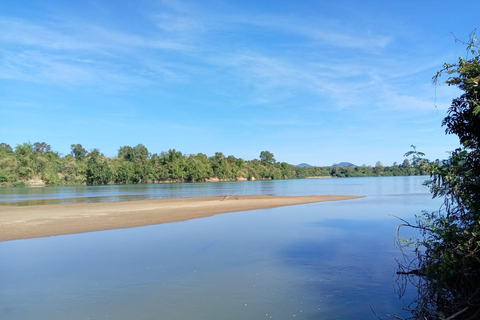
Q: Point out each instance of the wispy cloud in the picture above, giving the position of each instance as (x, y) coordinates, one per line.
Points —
(187, 43)
(77, 36)
(333, 33)
(80, 54)
(344, 84)
(55, 69)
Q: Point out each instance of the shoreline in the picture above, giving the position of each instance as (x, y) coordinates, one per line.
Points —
(60, 219)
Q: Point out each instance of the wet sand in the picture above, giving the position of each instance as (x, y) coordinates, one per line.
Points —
(52, 220)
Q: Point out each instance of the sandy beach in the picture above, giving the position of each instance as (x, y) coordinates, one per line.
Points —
(17, 222)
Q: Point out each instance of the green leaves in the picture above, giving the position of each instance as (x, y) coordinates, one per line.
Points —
(451, 244)
(267, 157)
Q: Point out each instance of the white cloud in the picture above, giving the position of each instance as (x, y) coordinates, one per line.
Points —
(75, 36)
(185, 45)
(80, 54)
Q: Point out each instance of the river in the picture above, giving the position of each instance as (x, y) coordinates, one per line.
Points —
(330, 260)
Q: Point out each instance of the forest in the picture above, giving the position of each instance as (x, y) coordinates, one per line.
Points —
(36, 164)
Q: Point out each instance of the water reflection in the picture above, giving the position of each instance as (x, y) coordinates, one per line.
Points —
(335, 186)
(329, 260)
(37, 202)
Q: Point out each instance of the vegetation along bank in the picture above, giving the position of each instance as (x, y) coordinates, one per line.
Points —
(38, 165)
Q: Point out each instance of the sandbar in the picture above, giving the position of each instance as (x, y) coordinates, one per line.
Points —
(17, 222)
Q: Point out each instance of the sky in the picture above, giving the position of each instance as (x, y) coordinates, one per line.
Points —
(316, 82)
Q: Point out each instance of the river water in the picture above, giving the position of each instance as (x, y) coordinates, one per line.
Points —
(330, 260)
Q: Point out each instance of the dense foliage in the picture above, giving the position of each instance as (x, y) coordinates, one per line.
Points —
(448, 256)
(37, 164)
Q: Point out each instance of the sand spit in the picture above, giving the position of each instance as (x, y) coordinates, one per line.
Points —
(51, 220)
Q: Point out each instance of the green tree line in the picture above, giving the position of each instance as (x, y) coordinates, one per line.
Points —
(37, 162)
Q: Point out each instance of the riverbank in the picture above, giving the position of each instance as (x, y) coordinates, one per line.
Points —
(52, 220)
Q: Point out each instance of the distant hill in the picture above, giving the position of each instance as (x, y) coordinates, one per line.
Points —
(341, 164)
(303, 165)
(344, 164)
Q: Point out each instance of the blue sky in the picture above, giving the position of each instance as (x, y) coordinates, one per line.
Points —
(311, 81)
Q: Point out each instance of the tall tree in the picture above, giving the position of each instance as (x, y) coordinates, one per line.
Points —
(78, 151)
(5, 148)
(8, 164)
(41, 147)
(98, 172)
(267, 157)
(26, 161)
(449, 258)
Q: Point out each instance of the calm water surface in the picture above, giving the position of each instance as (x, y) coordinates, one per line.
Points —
(331, 260)
(353, 186)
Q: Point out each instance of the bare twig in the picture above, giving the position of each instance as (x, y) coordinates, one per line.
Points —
(230, 196)
(457, 314)
(375, 313)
